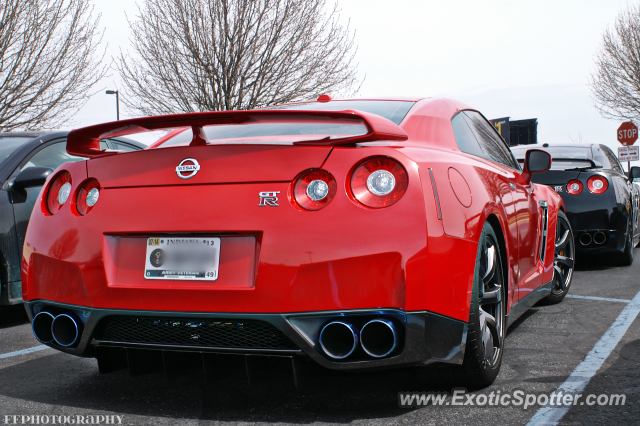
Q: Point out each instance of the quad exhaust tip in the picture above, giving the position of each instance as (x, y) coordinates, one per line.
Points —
(585, 239)
(599, 238)
(339, 339)
(62, 329)
(378, 338)
(41, 326)
(65, 330)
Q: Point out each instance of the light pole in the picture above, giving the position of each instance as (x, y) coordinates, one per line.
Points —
(115, 92)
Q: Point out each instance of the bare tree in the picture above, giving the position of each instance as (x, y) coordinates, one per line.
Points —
(615, 83)
(48, 61)
(579, 139)
(210, 55)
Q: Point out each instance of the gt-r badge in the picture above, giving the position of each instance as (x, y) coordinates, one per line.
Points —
(557, 188)
(269, 198)
(189, 165)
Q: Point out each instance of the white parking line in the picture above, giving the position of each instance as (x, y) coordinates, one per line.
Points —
(603, 299)
(24, 351)
(583, 373)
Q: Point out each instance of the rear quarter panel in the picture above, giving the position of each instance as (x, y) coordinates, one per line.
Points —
(453, 240)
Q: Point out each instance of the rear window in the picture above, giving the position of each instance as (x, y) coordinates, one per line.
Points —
(566, 165)
(559, 151)
(391, 110)
(564, 158)
(270, 133)
(287, 133)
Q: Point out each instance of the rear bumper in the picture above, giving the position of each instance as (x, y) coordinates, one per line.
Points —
(614, 241)
(424, 337)
(596, 230)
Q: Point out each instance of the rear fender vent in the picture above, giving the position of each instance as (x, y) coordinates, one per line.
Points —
(545, 225)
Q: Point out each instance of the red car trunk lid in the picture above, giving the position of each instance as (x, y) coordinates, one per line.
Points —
(218, 164)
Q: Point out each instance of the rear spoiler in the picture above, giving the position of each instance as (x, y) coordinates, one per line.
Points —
(85, 142)
(594, 163)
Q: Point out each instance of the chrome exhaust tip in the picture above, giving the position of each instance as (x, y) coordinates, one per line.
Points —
(599, 238)
(585, 239)
(378, 338)
(41, 326)
(339, 339)
(65, 330)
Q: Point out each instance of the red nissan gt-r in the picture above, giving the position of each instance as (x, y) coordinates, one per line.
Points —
(358, 234)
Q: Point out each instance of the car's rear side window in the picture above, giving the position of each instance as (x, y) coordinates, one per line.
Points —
(615, 164)
(476, 137)
(9, 145)
(600, 156)
(52, 156)
(492, 145)
(465, 138)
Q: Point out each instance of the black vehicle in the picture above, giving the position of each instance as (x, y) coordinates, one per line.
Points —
(26, 159)
(601, 200)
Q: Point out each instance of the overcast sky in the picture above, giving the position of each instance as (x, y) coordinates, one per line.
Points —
(518, 59)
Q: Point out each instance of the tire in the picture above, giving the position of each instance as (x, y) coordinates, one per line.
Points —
(487, 321)
(563, 262)
(4, 285)
(627, 256)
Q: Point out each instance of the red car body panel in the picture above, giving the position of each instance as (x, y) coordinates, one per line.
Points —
(295, 271)
(416, 255)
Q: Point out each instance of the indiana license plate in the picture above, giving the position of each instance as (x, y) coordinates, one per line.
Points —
(182, 259)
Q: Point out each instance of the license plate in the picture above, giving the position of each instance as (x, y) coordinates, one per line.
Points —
(182, 259)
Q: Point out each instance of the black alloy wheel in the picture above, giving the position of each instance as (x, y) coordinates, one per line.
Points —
(487, 320)
(490, 300)
(627, 256)
(563, 261)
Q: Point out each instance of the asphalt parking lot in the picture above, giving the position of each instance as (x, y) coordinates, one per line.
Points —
(543, 349)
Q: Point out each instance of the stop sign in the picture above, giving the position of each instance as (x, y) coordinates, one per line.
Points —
(627, 133)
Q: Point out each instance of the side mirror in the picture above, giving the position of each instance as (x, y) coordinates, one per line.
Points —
(634, 173)
(32, 176)
(535, 161)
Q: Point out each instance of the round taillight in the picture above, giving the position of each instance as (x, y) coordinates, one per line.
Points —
(597, 184)
(87, 196)
(574, 187)
(379, 182)
(58, 192)
(314, 190)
